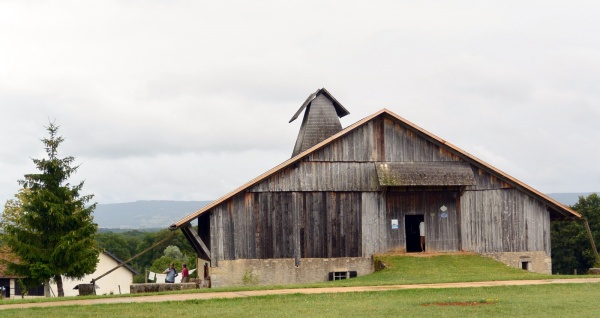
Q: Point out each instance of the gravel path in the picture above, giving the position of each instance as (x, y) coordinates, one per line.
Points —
(250, 293)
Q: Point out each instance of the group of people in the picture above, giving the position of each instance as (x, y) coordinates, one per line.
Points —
(172, 273)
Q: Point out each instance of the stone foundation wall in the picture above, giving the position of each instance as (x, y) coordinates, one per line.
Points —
(594, 271)
(154, 287)
(537, 262)
(283, 271)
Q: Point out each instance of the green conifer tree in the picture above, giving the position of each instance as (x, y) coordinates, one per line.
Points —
(49, 227)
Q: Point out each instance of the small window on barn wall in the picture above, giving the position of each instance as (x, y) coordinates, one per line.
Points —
(525, 263)
(341, 275)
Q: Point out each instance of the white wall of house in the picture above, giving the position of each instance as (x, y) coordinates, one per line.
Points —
(109, 284)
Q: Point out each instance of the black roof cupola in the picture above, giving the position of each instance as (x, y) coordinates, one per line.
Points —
(321, 120)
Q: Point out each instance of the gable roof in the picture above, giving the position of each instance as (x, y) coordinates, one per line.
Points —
(6, 256)
(116, 259)
(555, 205)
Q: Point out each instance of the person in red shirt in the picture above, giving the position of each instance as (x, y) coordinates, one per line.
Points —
(185, 274)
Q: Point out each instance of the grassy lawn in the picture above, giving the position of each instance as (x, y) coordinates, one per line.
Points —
(559, 300)
(400, 269)
(443, 268)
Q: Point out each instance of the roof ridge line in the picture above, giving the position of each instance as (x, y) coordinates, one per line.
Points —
(463, 153)
(266, 174)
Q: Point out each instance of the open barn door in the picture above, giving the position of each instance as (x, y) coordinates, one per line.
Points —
(411, 227)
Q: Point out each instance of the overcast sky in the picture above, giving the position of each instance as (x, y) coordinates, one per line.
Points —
(187, 100)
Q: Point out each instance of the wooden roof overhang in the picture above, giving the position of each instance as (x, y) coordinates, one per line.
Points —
(403, 174)
(6, 256)
(553, 205)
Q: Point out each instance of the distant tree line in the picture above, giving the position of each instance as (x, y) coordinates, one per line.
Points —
(571, 247)
(127, 244)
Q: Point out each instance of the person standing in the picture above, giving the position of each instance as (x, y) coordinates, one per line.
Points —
(422, 235)
(171, 273)
(185, 274)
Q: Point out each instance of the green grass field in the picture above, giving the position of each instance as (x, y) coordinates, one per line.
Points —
(443, 268)
(560, 300)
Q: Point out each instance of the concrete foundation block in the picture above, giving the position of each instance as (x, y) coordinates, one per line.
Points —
(594, 271)
(284, 271)
(533, 261)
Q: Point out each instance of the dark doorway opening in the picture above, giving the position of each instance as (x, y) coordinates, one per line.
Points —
(5, 287)
(413, 239)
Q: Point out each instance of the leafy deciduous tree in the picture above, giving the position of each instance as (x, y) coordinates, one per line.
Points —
(571, 247)
(174, 253)
(115, 244)
(149, 238)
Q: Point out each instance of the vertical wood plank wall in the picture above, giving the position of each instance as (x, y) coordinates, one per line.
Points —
(330, 204)
(504, 220)
(373, 223)
(287, 225)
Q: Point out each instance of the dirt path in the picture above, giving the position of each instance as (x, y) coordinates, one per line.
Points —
(250, 293)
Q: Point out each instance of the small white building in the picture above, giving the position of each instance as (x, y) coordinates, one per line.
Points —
(9, 288)
(117, 282)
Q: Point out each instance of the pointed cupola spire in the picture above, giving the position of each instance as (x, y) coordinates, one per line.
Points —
(321, 120)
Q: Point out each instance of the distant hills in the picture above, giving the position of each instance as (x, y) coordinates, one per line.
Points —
(161, 214)
(144, 214)
(568, 198)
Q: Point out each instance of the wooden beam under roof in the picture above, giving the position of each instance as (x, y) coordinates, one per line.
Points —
(195, 240)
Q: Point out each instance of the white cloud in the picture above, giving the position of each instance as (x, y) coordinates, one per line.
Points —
(189, 99)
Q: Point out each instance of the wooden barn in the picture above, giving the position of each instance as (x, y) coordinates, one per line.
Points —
(347, 194)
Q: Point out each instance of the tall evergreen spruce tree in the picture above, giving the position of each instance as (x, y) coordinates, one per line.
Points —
(48, 227)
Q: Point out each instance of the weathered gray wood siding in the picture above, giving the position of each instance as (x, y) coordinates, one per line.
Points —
(374, 224)
(360, 145)
(330, 204)
(487, 181)
(382, 139)
(504, 220)
(322, 176)
(287, 225)
(404, 144)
